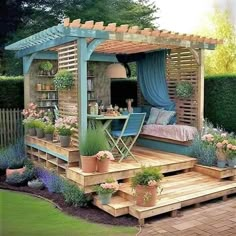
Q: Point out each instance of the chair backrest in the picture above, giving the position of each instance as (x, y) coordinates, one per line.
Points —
(134, 123)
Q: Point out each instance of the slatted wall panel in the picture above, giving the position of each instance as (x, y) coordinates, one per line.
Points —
(182, 66)
(67, 99)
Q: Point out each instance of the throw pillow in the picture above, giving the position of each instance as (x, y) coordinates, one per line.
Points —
(154, 113)
(164, 117)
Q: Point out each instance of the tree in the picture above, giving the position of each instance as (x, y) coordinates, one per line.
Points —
(32, 16)
(223, 58)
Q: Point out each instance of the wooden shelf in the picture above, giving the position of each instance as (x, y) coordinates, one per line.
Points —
(45, 76)
(46, 90)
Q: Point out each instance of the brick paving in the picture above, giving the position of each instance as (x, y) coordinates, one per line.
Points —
(216, 218)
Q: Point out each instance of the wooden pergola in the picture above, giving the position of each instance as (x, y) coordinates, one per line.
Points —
(73, 44)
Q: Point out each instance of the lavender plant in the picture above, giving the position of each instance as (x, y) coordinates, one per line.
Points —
(53, 182)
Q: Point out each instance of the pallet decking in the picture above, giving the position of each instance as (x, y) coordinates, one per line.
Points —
(197, 184)
(178, 191)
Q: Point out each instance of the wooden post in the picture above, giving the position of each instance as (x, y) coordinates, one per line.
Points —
(82, 86)
(200, 90)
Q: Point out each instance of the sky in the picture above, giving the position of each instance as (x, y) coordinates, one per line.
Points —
(187, 16)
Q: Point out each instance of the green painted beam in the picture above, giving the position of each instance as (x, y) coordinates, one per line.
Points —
(103, 57)
(27, 61)
(46, 55)
(82, 86)
(45, 45)
(92, 45)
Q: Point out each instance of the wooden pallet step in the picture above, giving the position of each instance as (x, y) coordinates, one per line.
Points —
(117, 207)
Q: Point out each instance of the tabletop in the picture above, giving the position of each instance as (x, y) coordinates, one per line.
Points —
(104, 117)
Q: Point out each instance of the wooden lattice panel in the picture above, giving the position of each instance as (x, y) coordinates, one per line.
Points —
(67, 99)
(182, 65)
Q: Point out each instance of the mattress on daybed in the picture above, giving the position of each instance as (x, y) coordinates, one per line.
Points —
(180, 133)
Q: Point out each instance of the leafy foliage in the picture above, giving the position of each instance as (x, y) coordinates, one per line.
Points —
(46, 66)
(223, 58)
(146, 175)
(63, 80)
(75, 196)
(220, 105)
(94, 141)
(49, 128)
(11, 92)
(205, 154)
(184, 89)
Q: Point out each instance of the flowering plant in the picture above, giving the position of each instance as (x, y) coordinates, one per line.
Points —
(102, 155)
(148, 176)
(110, 186)
(65, 126)
(231, 149)
(31, 111)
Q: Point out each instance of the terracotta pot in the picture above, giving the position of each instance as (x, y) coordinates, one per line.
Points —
(103, 165)
(48, 87)
(146, 195)
(11, 171)
(65, 141)
(38, 87)
(89, 163)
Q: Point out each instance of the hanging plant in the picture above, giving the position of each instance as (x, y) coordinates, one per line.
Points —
(63, 80)
(184, 89)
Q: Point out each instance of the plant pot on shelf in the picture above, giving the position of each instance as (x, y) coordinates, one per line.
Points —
(221, 158)
(145, 195)
(231, 162)
(12, 171)
(48, 87)
(104, 198)
(103, 165)
(49, 137)
(38, 87)
(65, 141)
(88, 163)
(32, 131)
(39, 132)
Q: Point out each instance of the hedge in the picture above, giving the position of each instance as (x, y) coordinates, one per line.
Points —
(220, 101)
(11, 92)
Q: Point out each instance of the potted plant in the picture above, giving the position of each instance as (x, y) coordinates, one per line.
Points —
(106, 190)
(65, 127)
(16, 165)
(221, 148)
(63, 80)
(39, 125)
(45, 67)
(184, 89)
(231, 154)
(146, 183)
(30, 113)
(93, 142)
(103, 160)
(49, 130)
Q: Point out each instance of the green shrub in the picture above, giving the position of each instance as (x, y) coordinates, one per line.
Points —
(46, 66)
(63, 80)
(94, 141)
(39, 124)
(11, 92)
(184, 89)
(49, 128)
(75, 196)
(220, 105)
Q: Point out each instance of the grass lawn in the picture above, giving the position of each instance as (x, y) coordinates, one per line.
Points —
(23, 215)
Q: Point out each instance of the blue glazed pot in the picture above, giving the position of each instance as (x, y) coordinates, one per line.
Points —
(232, 162)
(105, 198)
(221, 164)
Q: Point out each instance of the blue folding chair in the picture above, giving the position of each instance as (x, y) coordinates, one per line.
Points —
(123, 140)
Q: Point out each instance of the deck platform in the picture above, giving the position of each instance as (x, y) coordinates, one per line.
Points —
(178, 191)
(168, 162)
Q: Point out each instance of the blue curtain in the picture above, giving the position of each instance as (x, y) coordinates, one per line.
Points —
(152, 79)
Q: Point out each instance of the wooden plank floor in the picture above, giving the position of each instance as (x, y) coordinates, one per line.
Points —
(168, 162)
(178, 191)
